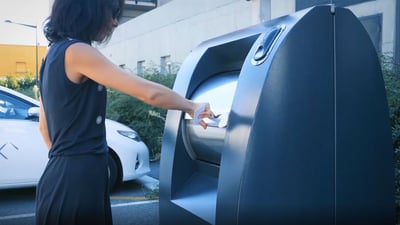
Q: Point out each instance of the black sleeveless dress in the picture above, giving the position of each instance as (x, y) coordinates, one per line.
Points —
(73, 188)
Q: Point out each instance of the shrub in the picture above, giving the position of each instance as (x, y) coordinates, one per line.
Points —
(25, 85)
(11, 82)
(27, 82)
(391, 75)
(147, 120)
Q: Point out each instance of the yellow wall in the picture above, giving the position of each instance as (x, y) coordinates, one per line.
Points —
(20, 60)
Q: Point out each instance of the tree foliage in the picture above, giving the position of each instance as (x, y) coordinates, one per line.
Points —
(391, 75)
(147, 120)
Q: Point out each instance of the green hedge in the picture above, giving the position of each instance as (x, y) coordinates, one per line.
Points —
(391, 75)
(25, 85)
(147, 120)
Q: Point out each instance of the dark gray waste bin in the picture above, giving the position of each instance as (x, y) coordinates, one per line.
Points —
(304, 132)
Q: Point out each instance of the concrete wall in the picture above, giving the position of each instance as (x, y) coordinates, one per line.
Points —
(386, 8)
(173, 29)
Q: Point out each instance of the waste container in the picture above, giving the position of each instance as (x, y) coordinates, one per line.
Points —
(303, 134)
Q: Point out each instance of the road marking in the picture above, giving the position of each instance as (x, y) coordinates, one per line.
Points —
(19, 216)
(133, 203)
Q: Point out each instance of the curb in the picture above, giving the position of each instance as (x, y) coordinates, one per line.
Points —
(148, 182)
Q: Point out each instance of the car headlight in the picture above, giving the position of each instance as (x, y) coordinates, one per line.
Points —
(130, 134)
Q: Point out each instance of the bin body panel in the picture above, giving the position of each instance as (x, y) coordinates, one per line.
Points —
(289, 157)
(365, 184)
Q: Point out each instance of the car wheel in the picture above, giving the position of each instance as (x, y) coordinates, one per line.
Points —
(112, 172)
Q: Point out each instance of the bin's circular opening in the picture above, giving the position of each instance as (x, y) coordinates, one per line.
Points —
(207, 145)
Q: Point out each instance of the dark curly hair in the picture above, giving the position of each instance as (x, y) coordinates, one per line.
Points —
(84, 20)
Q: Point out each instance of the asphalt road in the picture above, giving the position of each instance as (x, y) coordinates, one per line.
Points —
(133, 213)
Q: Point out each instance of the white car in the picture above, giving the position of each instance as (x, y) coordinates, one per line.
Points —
(23, 154)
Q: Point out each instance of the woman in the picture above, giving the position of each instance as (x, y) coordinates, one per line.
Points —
(74, 186)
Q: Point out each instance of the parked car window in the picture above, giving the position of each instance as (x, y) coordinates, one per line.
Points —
(12, 108)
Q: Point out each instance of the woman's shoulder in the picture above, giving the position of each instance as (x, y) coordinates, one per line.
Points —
(79, 49)
(66, 42)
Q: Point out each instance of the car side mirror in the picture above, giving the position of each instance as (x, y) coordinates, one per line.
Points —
(33, 112)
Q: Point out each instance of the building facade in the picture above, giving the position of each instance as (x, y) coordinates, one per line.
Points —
(165, 35)
(20, 60)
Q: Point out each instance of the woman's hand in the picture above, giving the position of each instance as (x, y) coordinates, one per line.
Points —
(202, 110)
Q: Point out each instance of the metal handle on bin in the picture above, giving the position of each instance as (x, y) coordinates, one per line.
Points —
(266, 44)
